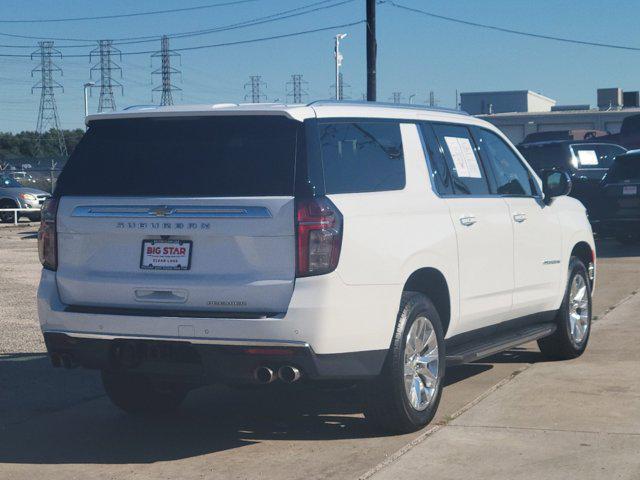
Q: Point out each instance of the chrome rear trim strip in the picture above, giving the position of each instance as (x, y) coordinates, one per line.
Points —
(195, 341)
(170, 211)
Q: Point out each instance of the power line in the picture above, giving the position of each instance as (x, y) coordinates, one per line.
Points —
(165, 70)
(282, 15)
(213, 45)
(48, 113)
(512, 31)
(125, 15)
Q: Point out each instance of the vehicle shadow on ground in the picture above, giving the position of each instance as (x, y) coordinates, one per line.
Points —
(57, 416)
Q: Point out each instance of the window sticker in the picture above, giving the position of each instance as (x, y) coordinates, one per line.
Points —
(588, 157)
(463, 157)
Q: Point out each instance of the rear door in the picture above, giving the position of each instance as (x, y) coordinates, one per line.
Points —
(189, 214)
(483, 230)
(537, 240)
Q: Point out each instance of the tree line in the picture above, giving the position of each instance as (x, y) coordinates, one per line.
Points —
(16, 147)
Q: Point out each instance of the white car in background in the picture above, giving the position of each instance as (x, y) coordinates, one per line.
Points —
(354, 242)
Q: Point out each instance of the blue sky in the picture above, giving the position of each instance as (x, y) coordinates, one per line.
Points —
(415, 54)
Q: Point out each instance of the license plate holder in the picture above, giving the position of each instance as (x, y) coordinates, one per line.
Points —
(166, 255)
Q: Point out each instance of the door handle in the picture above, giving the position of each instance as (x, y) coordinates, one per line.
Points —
(468, 220)
(519, 217)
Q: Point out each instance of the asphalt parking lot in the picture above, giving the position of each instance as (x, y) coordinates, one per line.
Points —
(57, 424)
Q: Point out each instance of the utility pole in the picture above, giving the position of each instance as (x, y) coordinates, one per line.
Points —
(48, 119)
(338, 57)
(165, 71)
(255, 84)
(106, 66)
(396, 97)
(372, 50)
(296, 90)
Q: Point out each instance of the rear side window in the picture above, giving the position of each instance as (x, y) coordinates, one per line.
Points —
(226, 156)
(511, 176)
(362, 156)
(546, 157)
(468, 175)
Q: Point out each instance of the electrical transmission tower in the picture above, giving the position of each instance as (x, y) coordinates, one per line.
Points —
(396, 97)
(433, 101)
(106, 66)
(255, 84)
(165, 70)
(341, 89)
(48, 119)
(296, 88)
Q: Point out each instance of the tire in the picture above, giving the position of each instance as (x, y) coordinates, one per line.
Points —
(138, 394)
(7, 217)
(568, 341)
(34, 218)
(389, 406)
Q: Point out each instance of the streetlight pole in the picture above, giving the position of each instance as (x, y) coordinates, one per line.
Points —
(339, 58)
(87, 86)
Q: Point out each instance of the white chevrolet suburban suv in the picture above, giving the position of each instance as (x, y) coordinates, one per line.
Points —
(346, 242)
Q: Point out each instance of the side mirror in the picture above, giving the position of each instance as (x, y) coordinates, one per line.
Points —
(555, 183)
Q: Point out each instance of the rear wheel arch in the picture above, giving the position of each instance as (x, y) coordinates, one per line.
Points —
(431, 282)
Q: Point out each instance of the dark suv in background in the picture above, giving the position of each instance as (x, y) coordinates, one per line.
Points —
(621, 198)
(586, 162)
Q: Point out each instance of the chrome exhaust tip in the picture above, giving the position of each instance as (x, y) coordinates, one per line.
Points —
(264, 375)
(288, 374)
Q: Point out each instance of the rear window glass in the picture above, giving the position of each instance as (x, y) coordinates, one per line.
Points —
(362, 156)
(625, 169)
(196, 156)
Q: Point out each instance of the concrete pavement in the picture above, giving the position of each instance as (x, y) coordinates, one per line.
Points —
(555, 420)
(57, 424)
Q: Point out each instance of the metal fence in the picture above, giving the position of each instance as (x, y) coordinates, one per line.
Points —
(17, 211)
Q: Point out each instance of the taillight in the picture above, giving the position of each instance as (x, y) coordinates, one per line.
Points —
(47, 241)
(319, 231)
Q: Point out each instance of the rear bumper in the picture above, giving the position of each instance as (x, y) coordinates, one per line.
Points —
(340, 330)
(199, 361)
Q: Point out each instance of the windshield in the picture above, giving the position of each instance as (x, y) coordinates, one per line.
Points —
(214, 156)
(6, 181)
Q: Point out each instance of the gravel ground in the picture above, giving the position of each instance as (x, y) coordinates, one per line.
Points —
(19, 275)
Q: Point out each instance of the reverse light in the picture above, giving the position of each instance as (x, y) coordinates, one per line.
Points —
(319, 236)
(47, 235)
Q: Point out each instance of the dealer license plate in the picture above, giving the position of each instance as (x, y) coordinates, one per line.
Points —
(630, 190)
(166, 255)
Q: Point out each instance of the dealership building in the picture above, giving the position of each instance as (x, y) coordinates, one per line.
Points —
(521, 112)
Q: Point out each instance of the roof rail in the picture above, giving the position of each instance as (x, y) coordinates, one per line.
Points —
(364, 103)
(139, 107)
